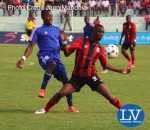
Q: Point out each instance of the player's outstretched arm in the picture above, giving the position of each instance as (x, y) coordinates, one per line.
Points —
(125, 70)
(27, 53)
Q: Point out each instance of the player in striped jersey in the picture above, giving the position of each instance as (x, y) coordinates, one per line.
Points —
(88, 51)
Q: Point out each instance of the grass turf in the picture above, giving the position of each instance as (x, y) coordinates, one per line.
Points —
(19, 88)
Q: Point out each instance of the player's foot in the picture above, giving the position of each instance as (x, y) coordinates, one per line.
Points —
(40, 111)
(116, 102)
(133, 66)
(41, 93)
(72, 109)
(104, 71)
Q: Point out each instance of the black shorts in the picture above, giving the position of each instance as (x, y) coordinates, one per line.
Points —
(128, 45)
(78, 82)
(28, 32)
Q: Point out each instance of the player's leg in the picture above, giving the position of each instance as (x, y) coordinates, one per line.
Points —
(96, 84)
(132, 51)
(124, 52)
(74, 84)
(66, 90)
(103, 90)
(49, 67)
(61, 75)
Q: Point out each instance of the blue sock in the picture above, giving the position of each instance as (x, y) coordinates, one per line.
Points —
(46, 78)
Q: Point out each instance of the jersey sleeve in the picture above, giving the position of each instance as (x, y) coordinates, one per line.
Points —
(103, 57)
(134, 28)
(76, 44)
(34, 37)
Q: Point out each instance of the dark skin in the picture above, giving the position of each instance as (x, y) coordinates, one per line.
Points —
(95, 38)
(47, 18)
(86, 20)
(102, 88)
(132, 49)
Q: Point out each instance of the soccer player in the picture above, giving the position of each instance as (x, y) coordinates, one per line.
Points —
(88, 27)
(88, 51)
(30, 25)
(48, 39)
(98, 22)
(129, 32)
(88, 30)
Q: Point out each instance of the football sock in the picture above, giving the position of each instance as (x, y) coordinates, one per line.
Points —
(69, 100)
(116, 102)
(54, 100)
(46, 78)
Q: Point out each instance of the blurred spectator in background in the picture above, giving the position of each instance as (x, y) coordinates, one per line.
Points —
(147, 21)
(147, 6)
(136, 7)
(122, 7)
(71, 4)
(38, 5)
(78, 7)
(85, 8)
(62, 13)
(143, 9)
(113, 4)
(30, 24)
(3, 7)
(67, 17)
(8, 2)
(98, 7)
(92, 5)
(48, 3)
(105, 7)
(17, 6)
(25, 2)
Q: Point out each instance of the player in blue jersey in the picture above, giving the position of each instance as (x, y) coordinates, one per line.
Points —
(88, 27)
(48, 39)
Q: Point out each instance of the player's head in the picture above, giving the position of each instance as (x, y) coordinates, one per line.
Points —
(86, 19)
(47, 17)
(31, 15)
(128, 18)
(97, 33)
(97, 20)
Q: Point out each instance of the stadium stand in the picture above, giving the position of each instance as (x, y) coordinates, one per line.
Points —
(112, 24)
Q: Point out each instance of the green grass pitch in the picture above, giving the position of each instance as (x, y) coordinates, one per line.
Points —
(19, 88)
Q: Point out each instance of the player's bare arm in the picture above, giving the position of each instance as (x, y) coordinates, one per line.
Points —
(125, 70)
(27, 53)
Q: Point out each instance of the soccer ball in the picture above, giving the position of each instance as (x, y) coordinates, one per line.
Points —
(112, 51)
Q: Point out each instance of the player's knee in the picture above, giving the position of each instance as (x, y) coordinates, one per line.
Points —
(63, 93)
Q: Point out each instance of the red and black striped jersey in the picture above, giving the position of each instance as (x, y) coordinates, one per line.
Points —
(129, 30)
(86, 56)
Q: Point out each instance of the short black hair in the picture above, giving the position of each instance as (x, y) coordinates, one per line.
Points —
(128, 16)
(44, 11)
(99, 28)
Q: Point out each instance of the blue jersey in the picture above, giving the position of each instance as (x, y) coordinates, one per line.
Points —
(88, 30)
(48, 40)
